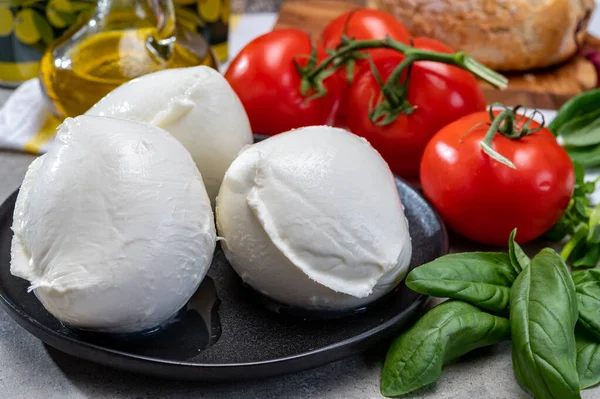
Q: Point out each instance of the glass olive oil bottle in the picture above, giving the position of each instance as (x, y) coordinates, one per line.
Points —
(123, 39)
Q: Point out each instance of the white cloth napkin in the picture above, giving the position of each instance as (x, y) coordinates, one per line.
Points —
(25, 122)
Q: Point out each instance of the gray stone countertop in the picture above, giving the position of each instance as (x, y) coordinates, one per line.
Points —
(31, 370)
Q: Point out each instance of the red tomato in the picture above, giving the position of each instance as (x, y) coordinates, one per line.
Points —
(362, 24)
(264, 77)
(482, 199)
(440, 93)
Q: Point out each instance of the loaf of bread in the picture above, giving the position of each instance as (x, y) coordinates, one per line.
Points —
(506, 35)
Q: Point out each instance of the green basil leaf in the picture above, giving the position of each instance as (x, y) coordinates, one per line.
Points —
(518, 258)
(443, 334)
(582, 131)
(583, 189)
(559, 231)
(543, 313)
(580, 208)
(578, 106)
(587, 156)
(587, 287)
(579, 173)
(480, 278)
(594, 226)
(587, 256)
(588, 358)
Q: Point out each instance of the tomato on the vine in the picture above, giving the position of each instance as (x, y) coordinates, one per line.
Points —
(362, 24)
(265, 77)
(483, 199)
(439, 94)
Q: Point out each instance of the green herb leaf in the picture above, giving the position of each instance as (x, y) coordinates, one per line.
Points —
(579, 173)
(580, 209)
(587, 287)
(480, 278)
(588, 358)
(560, 230)
(543, 313)
(589, 257)
(587, 156)
(443, 334)
(577, 107)
(593, 236)
(576, 214)
(518, 258)
(582, 131)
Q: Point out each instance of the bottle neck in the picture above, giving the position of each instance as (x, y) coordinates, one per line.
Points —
(138, 14)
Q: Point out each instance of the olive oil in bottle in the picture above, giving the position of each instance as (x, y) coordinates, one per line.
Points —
(124, 39)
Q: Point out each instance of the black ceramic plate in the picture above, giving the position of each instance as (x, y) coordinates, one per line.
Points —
(225, 332)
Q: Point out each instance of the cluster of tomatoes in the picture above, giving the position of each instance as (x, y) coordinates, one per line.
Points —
(267, 82)
(476, 195)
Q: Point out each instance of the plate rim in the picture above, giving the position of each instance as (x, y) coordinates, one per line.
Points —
(87, 351)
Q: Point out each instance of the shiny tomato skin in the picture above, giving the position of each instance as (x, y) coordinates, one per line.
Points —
(485, 200)
(268, 84)
(362, 24)
(440, 94)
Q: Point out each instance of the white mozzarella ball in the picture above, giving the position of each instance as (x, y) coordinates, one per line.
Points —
(113, 226)
(312, 218)
(196, 105)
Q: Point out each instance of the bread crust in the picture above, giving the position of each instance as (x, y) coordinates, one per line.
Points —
(506, 35)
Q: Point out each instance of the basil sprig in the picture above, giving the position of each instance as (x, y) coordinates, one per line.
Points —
(581, 222)
(552, 358)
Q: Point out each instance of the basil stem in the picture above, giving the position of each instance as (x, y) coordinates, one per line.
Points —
(518, 259)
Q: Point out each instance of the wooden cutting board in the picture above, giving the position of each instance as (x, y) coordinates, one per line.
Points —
(548, 88)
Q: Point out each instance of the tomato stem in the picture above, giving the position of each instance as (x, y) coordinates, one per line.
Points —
(459, 59)
(486, 143)
(394, 90)
(506, 124)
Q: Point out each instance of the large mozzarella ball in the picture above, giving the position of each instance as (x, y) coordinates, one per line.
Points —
(312, 218)
(113, 226)
(196, 105)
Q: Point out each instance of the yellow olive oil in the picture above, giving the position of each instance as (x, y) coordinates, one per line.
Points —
(90, 69)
